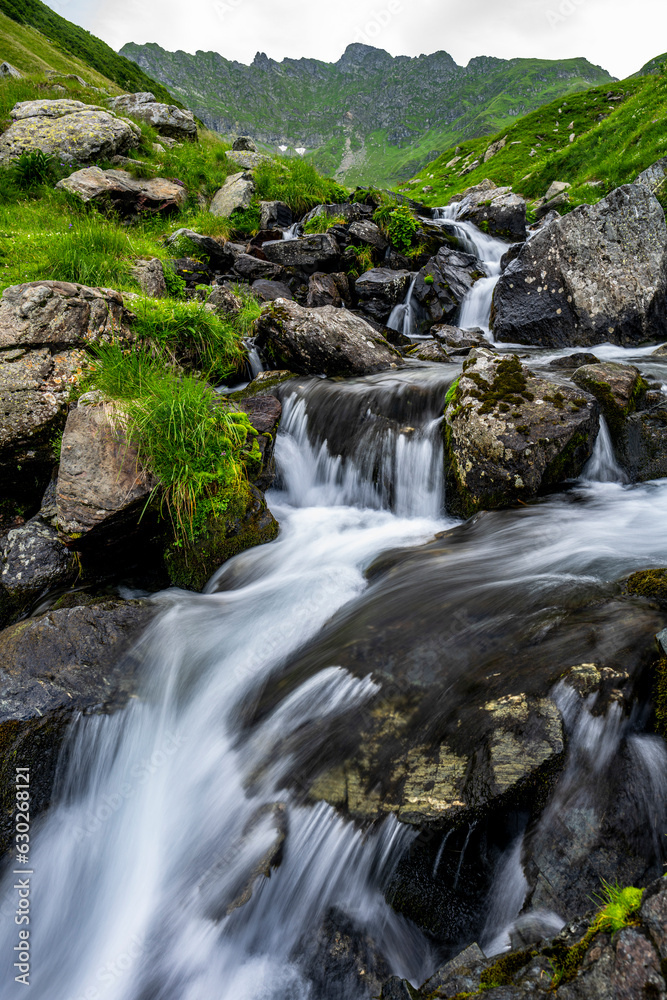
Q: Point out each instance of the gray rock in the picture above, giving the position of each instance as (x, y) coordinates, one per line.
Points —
(599, 274)
(619, 389)
(308, 254)
(570, 362)
(654, 176)
(220, 253)
(68, 129)
(496, 211)
(244, 143)
(236, 192)
(367, 234)
(264, 413)
(224, 300)
(458, 340)
(328, 290)
(275, 215)
(510, 435)
(100, 478)
(252, 269)
(120, 192)
(33, 561)
(167, 119)
(641, 443)
(59, 314)
(6, 69)
(350, 211)
(247, 160)
(441, 287)
(325, 341)
(150, 275)
(544, 209)
(380, 289)
(428, 350)
(269, 291)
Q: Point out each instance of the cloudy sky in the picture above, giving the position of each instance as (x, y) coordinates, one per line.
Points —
(616, 34)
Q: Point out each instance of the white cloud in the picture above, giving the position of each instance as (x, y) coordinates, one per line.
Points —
(607, 32)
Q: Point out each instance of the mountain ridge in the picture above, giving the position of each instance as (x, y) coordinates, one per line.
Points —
(385, 115)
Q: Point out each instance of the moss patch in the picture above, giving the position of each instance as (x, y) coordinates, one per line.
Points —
(508, 388)
(651, 583)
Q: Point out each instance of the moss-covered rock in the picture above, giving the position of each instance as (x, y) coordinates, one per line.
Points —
(246, 523)
(510, 435)
(618, 388)
(651, 583)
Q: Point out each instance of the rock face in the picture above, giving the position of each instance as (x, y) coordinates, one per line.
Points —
(167, 119)
(573, 284)
(307, 255)
(509, 435)
(328, 290)
(118, 191)
(236, 192)
(325, 341)
(654, 176)
(33, 561)
(496, 211)
(44, 326)
(68, 129)
(380, 289)
(100, 477)
(442, 285)
(275, 215)
(63, 662)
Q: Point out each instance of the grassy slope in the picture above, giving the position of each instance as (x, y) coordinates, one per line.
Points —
(614, 141)
(52, 34)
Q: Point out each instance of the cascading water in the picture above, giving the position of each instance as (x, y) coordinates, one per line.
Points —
(146, 882)
(293, 232)
(401, 318)
(602, 466)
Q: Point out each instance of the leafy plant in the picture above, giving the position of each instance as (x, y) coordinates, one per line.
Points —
(402, 227)
(175, 284)
(32, 169)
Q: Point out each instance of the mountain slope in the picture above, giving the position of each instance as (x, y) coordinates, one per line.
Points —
(595, 141)
(368, 116)
(70, 40)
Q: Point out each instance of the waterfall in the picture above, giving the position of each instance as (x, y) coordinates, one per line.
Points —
(602, 466)
(294, 232)
(402, 318)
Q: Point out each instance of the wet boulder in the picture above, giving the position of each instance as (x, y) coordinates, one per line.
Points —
(326, 341)
(597, 275)
(166, 119)
(53, 667)
(264, 413)
(618, 388)
(306, 255)
(380, 289)
(269, 291)
(33, 561)
(367, 234)
(44, 329)
(235, 193)
(570, 362)
(118, 191)
(441, 287)
(510, 436)
(641, 442)
(495, 210)
(70, 130)
(328, 290)
(275, 215)
(458, 341)
(428, 350)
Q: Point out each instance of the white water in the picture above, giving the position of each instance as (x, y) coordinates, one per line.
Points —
(157, 798)
(294, 231)
(602, 466)
(402, 317)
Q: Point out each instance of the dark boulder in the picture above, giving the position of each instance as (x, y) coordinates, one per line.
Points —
(570, 362)
(325, 341)
(496, 211)
(619, 389)
(264, 413)
(509, 435)
(306, 255)
(268, 291)
(442, 285)
(380, 289)
(597, 275)
(367, 234)
(33, 561)
(252, 269)
(328, 290)
(220, 254)
(275, 215)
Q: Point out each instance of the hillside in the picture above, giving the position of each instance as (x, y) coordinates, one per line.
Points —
(596, 141)
(370, 117)
(35, 39)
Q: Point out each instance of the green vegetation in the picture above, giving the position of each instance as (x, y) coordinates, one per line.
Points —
(651, 583)
(431, 102)
(618, 132)
(70, 38)
(322, 223)
(191, 441)
(401, 227)
(297, 183)
(361, 260)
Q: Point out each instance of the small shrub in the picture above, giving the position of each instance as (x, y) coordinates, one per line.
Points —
(402, 227)
(32, 169)
(245, 221)
(428, 279)
(175, 284)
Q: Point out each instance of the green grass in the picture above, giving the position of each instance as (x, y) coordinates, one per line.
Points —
(618, 130)
(297, 183)
(193, 443)
(322, 223)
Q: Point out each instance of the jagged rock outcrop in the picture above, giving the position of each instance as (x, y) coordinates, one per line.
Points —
(510, 435)
(167, 119)
(597, 275)
(118, 191)
(68, 129)
(326, 341)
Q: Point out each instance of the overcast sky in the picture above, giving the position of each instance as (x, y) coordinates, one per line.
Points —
(615, 34)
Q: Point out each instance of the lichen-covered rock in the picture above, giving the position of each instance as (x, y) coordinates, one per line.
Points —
(366, 233)
(150, 275)
(249, 522)
(167, 119)
(458, 341)
(68, 129)
(618, 389)
(380, 289)
(324, 341)
(495, 210)
(307, 254)
(33, 560)
(59, 313)
(654, 176)
(328, 290)
(52, 667)
(100, 478)
(428, 350)
(236, 192)
(597, 275)
(510, 435)
(118, 191)
(441, 286)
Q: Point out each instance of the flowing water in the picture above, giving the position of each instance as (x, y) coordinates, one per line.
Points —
(145, 884)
